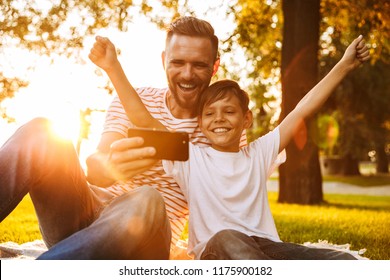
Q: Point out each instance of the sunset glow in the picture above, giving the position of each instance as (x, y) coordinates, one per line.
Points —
(59, 90)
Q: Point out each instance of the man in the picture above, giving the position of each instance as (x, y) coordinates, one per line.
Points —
(118, 214)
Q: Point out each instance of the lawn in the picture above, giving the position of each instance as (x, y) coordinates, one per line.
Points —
(361, 221)
(21, 225)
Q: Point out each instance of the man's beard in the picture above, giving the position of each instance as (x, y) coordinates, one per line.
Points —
(183, 103)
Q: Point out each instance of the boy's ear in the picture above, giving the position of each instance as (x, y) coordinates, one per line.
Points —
(248, 119)
(200, 121)
(216, 66)
(163, 58)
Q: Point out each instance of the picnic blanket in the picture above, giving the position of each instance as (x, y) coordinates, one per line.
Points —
(31, 250)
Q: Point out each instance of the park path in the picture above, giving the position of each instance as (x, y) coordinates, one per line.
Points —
(342, 188)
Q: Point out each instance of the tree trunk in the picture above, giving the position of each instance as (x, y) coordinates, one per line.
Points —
(350, 166)
(382, 162)
(300, 178)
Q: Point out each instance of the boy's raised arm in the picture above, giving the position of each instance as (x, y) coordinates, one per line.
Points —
(103, 55)
(356, 53)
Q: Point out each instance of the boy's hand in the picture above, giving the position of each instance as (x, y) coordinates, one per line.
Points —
(103, 53)
(356, 53)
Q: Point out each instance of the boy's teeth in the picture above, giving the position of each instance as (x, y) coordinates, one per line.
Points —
(217, 130)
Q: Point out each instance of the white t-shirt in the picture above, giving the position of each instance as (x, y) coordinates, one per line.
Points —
(227, 190)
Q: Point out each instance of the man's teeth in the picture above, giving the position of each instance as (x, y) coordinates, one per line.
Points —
(219, 130)
(187, 86)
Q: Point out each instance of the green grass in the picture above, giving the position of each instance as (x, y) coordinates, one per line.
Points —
(21, 225)
(361, 221)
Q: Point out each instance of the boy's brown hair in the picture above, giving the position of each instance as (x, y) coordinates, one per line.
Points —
(220, 90)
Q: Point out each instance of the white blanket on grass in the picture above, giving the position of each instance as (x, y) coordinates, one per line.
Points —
(31, 250)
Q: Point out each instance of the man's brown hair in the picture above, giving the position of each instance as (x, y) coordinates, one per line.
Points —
(193, 27)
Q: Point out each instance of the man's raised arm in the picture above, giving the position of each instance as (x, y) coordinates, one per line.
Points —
(103, 54)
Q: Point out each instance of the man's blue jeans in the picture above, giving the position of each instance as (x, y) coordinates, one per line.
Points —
(234, 245)
(78, 220)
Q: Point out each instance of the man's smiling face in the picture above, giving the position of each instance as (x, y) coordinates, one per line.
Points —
(189, 66)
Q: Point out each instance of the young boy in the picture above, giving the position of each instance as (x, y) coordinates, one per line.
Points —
(225, 186)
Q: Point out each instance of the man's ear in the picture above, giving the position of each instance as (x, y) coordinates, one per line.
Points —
(216, 66)
(248, 119)
(163, 58)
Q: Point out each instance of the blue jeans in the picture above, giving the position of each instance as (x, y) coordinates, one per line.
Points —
(234, 245)
(78, 220)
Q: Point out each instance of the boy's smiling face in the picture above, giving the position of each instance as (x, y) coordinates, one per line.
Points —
(223, 121)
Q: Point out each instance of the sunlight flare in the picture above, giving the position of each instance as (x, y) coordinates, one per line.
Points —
(66, 125)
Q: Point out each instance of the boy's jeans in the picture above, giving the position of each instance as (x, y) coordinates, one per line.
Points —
(77, 220)
(234, 245)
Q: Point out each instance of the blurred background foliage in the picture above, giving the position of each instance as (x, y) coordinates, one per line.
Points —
(356, 118)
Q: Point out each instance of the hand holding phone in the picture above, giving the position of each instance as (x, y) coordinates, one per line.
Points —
(170, 145)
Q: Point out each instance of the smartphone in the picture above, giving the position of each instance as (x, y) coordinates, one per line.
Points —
(170, 145)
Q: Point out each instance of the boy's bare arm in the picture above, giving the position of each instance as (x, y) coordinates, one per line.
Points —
(356, 53)
(103, 55)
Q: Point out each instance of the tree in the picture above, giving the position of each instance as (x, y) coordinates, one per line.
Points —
(52, 28)
(286, 47)
(361, 103)
(59, 27)
(8, 87)
(364, 97)
(300, 178)
(259, 33)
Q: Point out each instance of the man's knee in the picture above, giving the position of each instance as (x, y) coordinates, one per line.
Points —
(39, 122)
(150, 197)
(38, 125)
(38, 131)
(149, 193)
(144, 203)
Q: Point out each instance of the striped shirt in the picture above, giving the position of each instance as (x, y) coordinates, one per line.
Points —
(117, 121)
